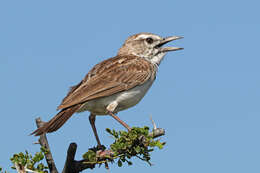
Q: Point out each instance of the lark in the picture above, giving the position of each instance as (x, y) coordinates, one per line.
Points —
(115, 84)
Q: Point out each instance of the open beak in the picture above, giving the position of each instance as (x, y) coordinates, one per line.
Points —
(167, 40)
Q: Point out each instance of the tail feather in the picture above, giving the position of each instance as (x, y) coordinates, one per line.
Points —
(57, 121)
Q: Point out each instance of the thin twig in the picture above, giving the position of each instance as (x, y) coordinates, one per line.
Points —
(154, 125)
(157, 132)
(19, 168)
(44, 143)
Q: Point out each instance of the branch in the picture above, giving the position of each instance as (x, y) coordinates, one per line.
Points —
(72, 165)
(19, 168)
(157, 132)
(101, 156)
(44, 143)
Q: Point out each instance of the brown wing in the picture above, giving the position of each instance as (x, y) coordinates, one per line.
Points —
(111, 76)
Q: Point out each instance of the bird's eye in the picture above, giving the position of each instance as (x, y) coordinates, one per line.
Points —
(149, 40)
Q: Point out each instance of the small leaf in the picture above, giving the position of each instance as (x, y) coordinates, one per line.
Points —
(129, 163)
(137, 149)
(119, 163)
(109, 131)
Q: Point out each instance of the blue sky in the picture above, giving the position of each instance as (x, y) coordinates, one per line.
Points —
(206, 97)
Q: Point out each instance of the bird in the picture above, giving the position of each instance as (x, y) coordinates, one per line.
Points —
(114, 84)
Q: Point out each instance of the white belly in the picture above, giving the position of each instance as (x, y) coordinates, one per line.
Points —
(125, 100)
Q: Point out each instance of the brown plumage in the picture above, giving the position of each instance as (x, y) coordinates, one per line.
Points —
(109, 77)
(103, 80)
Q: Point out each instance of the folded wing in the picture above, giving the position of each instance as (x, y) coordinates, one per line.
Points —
(109, 77)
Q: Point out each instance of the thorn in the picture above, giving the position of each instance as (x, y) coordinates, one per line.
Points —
(154, 125)
(36, 142)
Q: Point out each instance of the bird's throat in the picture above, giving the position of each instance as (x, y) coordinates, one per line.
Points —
(157, 59)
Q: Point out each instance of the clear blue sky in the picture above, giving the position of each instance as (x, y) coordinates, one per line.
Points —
(207, 97)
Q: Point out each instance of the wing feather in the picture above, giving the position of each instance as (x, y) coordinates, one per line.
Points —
(109, 77)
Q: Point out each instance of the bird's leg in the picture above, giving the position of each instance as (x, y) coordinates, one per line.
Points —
(92, 119)
(111, 108)
(119, 120)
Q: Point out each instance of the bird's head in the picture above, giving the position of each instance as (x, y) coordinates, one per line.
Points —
(148, 45)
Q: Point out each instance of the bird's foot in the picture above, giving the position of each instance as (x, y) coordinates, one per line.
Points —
(98, 148)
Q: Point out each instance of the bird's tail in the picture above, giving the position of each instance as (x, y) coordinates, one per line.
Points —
(57, 121)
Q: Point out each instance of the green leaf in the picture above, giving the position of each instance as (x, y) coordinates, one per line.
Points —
(119, 163)
(138, 149)
(129, 163)
(90, 155)
(32, 162)
(109, 131)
